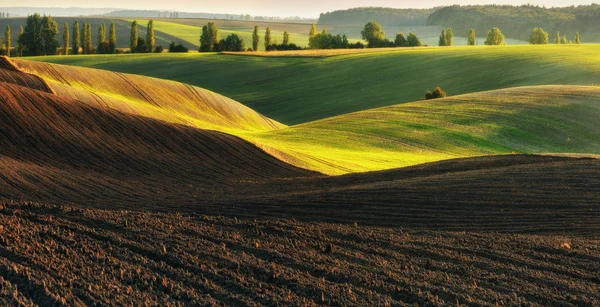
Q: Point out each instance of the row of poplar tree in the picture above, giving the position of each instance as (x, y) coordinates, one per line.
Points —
(495, 37)
(40, 37)
(210, 42)
(541, 37)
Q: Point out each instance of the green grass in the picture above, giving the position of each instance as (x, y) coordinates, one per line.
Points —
(542, 119)
(297, 90)
(191, 34)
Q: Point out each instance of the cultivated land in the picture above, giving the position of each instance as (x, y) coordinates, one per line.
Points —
(227, 206)
(543, 119)
(122, 26)
(313, 88)
(189, 30)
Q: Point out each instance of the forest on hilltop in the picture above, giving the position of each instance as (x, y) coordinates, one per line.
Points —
(516, 22)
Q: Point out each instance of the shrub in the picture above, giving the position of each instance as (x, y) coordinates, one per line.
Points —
(437, 93)
(177, 48)
(103, 48)
(231, 43)
(283, 47)
(357, 45)
(158, 49)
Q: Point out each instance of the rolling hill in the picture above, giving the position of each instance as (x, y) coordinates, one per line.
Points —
(152, 208)
(159, 99)
(189, 30)
(541, 119)
(122, 26)
(295, 90)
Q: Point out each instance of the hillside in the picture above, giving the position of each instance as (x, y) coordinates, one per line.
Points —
(518, 21)
(295, 90)
(159, 99)
(68, 151)
(384, 16)
(123, 29)
(558, 119)
(139, 207)
(541, 119)
(189, 30)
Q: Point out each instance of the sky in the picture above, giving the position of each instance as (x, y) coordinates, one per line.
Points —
(304, 8)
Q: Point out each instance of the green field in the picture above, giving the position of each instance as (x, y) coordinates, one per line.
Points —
(540, 119)
(191, 34)
(295, 90)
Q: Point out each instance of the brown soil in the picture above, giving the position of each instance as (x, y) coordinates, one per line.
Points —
(214, 220)
(52, 255)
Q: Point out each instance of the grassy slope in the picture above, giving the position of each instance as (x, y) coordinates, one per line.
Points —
(159, 99)
(191, 34)
(541, 119)
(123, 29)
(295, 90)
(557, 119)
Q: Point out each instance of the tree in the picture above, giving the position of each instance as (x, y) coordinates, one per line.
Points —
(101, 33)
(494, 37)
(400, 40)
(471, 38)
(209, 38)
(49, 33)
(255, 39)
(413, 41)
(443, 38)
(437, 93)
(141, 46)
(31, 38)
(564, 40)
(7, 40)
(66, 38)
(177, 48)
(538, 37)
(373, 34)
(112, 38)
(232, 43)
(313, 31)
(557, 38)
(102, 48)
(150, 36)
(76, 37)
(88, 44)
(286, 38)
(20, 46)
(268, 38)
(133, 37)
(449, 37)
(577, 38)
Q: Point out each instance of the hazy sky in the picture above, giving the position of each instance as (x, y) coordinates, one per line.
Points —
(308, 8)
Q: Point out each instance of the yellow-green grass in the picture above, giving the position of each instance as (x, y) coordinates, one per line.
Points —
(542, 119)
(295, 90)
(164, 100)
(191, 34)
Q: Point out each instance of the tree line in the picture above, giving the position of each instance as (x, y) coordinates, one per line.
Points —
(39, 37)
(517, 21)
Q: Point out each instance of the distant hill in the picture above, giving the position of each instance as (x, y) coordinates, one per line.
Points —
(55, 11)
(384, 16)
(518, 21)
